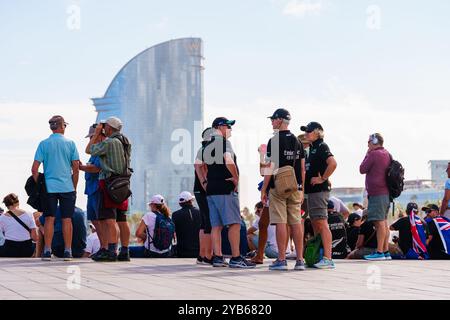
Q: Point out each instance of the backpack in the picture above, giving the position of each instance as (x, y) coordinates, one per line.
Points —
(163, 233)
(118, 186)
(312, 250)
(395, 175)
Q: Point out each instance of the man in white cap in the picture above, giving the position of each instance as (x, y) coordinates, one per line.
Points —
(187, 222)
(114, 153)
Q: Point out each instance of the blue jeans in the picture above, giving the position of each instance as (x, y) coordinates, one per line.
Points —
(271, 251)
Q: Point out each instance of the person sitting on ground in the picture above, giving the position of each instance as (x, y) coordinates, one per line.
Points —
(187, 222)
(412, 233)
(340, 207)
(18, 228)
(438, 242)
(92, 243)
(253, 229)
(358, 208)
(354, 222)
(79, 234)
(146, 229)
(336, 222)
(431, 212)
(367, 240)
(243, 245)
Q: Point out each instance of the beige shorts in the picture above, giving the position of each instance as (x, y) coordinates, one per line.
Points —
(284, 210)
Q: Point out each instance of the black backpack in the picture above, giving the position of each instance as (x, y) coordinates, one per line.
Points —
(118, 186)
(395, 175)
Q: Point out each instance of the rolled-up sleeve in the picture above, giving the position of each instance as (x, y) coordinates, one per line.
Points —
(99, 149)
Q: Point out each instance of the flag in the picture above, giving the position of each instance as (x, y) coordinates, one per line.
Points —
(418, 236)
(443, 227)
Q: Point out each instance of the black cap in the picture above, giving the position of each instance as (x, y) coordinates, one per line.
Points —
(352, 218)
(330, 205)
(281, 114)
(310, 127)
(220, 121)
(430, 207)
(411, 206)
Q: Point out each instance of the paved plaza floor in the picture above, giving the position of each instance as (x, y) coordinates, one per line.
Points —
(169, 279)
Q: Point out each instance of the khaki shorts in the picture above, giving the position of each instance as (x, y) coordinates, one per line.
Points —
(284, 210)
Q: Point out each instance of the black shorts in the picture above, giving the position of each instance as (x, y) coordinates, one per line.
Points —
(204, 211)
(66, 202)
(110, 213)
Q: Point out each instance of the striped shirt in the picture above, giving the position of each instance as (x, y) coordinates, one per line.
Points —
(112, 156)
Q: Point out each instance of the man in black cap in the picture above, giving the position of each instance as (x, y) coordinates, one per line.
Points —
(320, 165)
(284, 151)
(431, 211)
(221, 184)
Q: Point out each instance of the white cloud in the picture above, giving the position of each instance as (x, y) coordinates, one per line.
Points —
(300, 8)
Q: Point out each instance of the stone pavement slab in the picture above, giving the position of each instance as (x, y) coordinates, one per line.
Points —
(183, 279)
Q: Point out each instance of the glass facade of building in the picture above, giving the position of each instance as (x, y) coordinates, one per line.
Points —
(155, 94)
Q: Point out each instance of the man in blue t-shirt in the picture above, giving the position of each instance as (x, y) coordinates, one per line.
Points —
(445, 207)
(92, 169)
(60, 159)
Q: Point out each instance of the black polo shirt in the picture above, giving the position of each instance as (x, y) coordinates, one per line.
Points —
(213, 156)
(197, 183)
(316, 163)
(287, 144)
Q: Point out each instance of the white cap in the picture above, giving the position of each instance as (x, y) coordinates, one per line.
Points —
(185, 196)
(157, 199)
(114, 122)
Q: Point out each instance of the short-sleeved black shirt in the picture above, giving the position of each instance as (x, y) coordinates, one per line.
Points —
(368, 231)
(403, 226)
(213, 156)
(287, 144)
(316, 163)
(197, 184)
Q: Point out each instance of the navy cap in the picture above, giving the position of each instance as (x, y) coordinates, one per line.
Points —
(412, 206)
(310, 127)
(281, 114)
(221, 121)
(330, 205)
(430, 208)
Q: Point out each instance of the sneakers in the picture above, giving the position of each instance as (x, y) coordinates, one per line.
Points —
(325, 263)
(219, 262)
(241, 263)
(199, 260)
(387, 256)
(207, 261)
(67, 256)
(251, 254)
(377, 256)
(124, 255)
(47, 256)
(279, 265)
(105, 256)
(300, 265)
(99, 252)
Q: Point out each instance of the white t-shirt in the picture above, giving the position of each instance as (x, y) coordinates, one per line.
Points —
(150, 219)
(339, 205)
(92, 243)
(12, 230)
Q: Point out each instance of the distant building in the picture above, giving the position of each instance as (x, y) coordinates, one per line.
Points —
(438, 171)
(157, 92)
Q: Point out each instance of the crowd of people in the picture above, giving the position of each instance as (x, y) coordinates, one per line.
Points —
(295, 208)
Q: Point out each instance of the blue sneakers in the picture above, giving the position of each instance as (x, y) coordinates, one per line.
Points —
(219, 262)
(241, 263)
(47, 256)
(325, 263)
(377, 256)
(300, 265)
(387, 256)
(67, 256)
(278, 265)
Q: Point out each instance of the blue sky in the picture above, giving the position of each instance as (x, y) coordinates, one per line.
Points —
(317, 58)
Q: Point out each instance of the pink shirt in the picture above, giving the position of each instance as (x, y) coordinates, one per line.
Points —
(375, 165)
